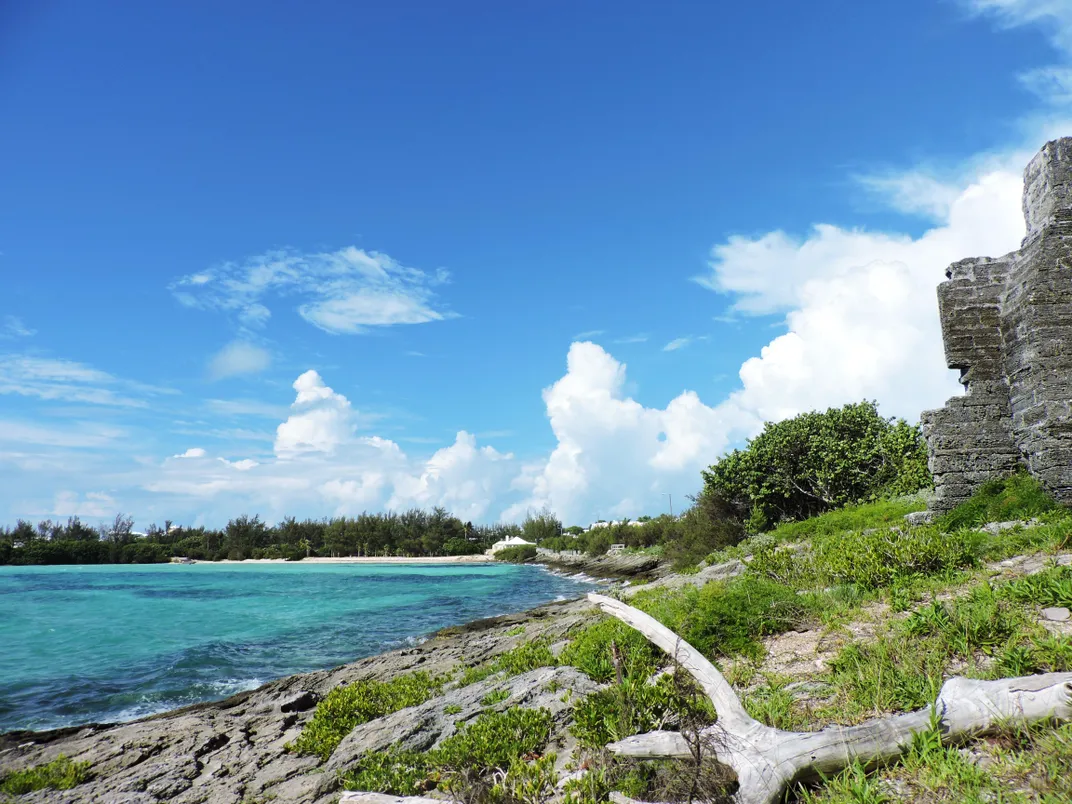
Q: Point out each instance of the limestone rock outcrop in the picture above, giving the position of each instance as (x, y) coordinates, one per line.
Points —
(1007, 326)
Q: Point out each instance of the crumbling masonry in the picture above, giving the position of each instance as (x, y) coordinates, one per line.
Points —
(1007, 326)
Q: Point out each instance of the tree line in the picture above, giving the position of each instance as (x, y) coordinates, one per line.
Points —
(793, 469)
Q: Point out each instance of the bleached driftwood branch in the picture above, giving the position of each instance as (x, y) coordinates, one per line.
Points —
(768, 760)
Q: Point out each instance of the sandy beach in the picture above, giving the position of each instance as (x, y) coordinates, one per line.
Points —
(477, 559)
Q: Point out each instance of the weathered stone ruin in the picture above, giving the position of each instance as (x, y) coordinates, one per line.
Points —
(1007, 326)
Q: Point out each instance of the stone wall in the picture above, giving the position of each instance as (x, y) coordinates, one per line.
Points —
(1007, 326)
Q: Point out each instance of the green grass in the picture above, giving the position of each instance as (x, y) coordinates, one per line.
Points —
(1014, 498)
(344, 708)
(884, 513)
(59, 774)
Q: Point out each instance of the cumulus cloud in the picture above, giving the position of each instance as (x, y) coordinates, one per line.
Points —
(320, 421)
(860, 306)
(193, 452)
(238, 357)
(342, 292)
(616, 457)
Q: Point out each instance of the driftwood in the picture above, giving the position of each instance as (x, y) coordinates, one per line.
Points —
(767, 760)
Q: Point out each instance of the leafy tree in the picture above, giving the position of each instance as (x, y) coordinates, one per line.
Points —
(817, 461)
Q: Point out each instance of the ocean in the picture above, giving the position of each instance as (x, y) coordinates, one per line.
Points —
(82, 644)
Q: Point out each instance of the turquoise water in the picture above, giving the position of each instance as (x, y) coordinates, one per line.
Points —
(105, 643)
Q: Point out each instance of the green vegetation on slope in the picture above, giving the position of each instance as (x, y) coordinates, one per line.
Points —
(59, 774)
(346, 707)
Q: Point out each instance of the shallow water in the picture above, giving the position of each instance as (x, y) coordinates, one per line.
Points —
(106, 643)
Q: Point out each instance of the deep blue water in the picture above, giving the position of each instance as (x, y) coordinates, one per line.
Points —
(106, 643)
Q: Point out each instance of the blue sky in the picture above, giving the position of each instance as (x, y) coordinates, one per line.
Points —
(325, 257)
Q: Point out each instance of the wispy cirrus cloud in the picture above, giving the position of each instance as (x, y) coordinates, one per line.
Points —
(1052, 83)
(54, 379)
(348, 291)
(681, 343)
(588, 334)
(12, 328)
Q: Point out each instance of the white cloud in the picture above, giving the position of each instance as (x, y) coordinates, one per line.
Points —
(320, 421)
(320, 460)
(678, 343)
(860, 306)
(587, 335)
(344, 292)
(640, 338)
(1052, 83)
(614, 456)
(14, 328)
(238, 357)
(67, 381)
(92, 504)
(71, 435)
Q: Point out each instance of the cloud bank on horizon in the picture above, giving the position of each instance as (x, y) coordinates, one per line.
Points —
(860, 321)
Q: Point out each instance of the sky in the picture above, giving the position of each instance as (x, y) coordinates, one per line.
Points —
(318, 258)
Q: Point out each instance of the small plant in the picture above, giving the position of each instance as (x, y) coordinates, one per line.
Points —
(1051, 587)
(452, 709)
(59, 774)
(521, 659)
(494, 697)
(346, 707)
(517, 630)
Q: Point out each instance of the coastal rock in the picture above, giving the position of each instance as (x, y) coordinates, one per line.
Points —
(1057, 614)
(420, 728)
(716, 572)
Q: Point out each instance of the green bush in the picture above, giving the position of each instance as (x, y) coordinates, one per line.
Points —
(1012, 498)
(346, 707)
(819, 461)
(59, 774)
(1051, 587)
(877, 559)
(592, 651)
(492, 742)
(516, 555)
(727, 618)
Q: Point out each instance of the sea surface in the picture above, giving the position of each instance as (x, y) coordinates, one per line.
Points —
(81, 644)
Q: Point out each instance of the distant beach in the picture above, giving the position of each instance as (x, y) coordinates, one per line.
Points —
(477, 559)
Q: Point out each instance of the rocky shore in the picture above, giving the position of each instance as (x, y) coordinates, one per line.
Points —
(233, 751)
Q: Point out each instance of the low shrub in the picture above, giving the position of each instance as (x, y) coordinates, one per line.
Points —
(59, 774)
(1051, 587)
(346, 707)
(525, 657)
(492, 743)
(1017, 497)
(592, 651)
(728, 618)
(516, 555)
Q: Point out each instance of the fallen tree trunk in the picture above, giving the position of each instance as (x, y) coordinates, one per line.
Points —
(768, 760)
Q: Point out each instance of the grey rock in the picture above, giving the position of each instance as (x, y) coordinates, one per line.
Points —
(919, 517)
(994, 528)
(1007, 327)
(420, 728)
(1057, 614)
(716, 572)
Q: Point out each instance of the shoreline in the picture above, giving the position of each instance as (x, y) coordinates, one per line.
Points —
(473, 559)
